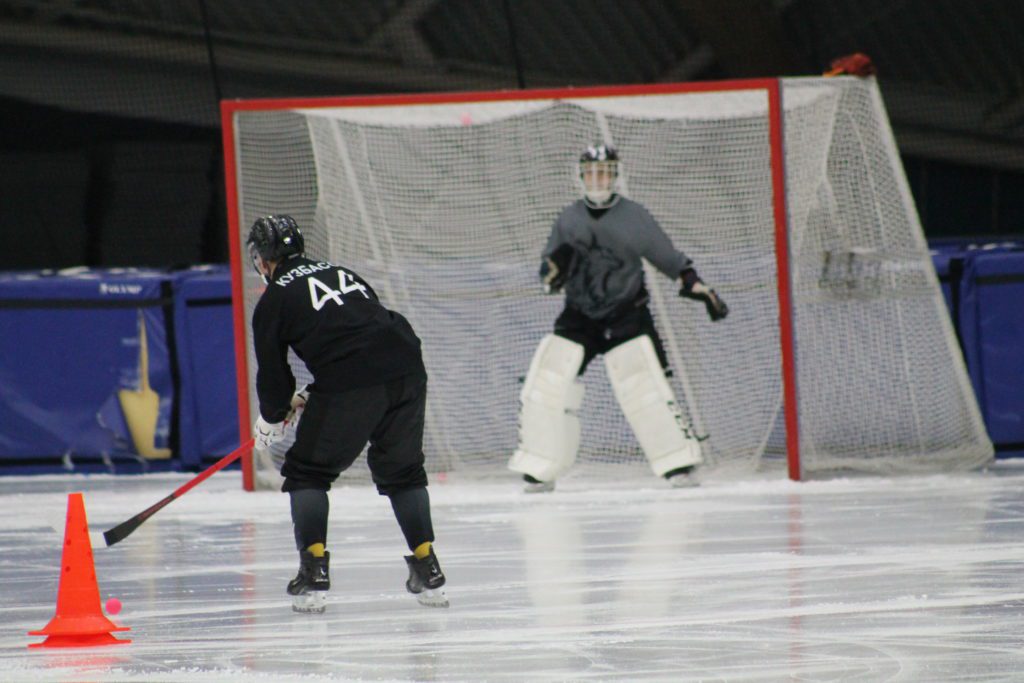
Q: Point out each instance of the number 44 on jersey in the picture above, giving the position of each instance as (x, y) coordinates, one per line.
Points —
(320, 293)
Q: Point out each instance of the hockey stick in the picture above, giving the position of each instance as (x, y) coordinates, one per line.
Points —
(122, 530)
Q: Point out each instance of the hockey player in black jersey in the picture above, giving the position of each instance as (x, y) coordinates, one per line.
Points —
(369, 385)
(594, 254)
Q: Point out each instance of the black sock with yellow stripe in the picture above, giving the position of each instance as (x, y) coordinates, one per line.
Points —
(310, 508)
(412, 510)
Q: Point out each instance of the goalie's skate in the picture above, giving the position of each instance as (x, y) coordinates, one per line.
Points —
(682, 478)
(426, 580)
(531, 485)
(309, 587)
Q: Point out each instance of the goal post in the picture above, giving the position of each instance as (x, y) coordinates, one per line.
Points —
(787, 193)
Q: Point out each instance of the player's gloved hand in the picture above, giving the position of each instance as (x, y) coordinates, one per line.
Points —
(694, 288)
(267, 434)
(554, 271)
(300, 397)
(549, 276)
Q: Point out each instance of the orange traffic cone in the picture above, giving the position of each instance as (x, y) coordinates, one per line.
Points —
(79, 621)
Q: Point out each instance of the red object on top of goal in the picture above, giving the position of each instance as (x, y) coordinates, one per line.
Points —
(857, 64)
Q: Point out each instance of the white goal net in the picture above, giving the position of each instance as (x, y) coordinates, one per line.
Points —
(443, 206)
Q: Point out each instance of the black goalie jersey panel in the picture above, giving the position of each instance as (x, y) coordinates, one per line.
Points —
(335, 323)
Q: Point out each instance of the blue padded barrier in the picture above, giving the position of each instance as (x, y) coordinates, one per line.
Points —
(992, 331)
(70, 346)
(70, 370)
(203, 328)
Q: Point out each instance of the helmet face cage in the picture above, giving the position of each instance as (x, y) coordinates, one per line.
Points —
(257, 261)
(598, 172)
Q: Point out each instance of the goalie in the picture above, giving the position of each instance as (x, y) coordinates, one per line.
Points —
(594, 255)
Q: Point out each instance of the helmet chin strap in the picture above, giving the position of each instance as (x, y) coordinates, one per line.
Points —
(262, 267)
(609, 201)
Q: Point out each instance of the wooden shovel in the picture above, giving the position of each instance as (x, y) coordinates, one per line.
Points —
(141, 407)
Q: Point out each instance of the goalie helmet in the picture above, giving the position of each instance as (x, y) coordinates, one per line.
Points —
(274, 238)
(599, 175)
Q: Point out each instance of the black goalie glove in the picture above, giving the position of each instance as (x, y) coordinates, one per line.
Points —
(554, 271)
(694, 288)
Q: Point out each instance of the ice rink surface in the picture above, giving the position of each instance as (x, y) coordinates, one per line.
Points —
(853, 579)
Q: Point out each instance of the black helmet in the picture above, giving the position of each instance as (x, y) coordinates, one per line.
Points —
(274, 238)
(599, 153)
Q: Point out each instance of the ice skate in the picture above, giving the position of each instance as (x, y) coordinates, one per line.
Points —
(682, 478)
(426, 580)
(532, 485)
(309, 587)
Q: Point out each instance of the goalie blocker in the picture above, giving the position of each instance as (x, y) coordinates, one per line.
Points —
(549, 430)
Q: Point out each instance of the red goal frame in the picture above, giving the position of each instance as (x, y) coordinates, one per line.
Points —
(773, 90)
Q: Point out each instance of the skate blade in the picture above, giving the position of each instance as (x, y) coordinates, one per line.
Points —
(539, 487)
(314, 602)
(432, 598)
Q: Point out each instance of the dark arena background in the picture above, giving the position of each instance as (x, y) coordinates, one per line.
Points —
(120, 351)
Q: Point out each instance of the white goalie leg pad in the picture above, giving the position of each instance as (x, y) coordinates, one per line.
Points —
(650, 406)
(549, 427)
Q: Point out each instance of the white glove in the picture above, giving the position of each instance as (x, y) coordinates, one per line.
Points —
(267, 434)
(299, 398)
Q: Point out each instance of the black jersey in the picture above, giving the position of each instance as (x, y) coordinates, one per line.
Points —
(335, 323)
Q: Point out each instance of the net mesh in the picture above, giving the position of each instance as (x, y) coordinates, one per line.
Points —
(444, 209)
(881, 379)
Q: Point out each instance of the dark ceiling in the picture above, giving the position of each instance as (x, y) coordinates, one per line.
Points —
(950, 70)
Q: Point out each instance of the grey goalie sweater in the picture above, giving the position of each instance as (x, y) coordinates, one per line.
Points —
(335, 323)
(606, 271)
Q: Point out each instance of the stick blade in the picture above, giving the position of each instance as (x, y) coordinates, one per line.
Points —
(121, 531)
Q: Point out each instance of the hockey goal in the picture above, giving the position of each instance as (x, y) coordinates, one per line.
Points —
(788, 194)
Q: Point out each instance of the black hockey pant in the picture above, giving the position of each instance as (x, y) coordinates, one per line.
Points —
(334, 428)
(332, 432)
(601, 336)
